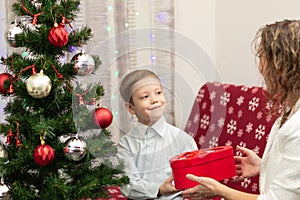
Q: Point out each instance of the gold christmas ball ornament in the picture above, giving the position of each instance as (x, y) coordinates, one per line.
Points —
(38, 85)
(75, 149)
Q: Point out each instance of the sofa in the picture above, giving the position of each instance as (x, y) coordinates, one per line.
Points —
(228, 114)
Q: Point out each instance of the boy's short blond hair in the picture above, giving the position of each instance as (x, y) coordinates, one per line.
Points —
(130, 79)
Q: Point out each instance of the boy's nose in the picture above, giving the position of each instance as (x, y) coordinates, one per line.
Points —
(154, 100)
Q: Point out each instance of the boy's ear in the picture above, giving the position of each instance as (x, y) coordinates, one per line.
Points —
(130, 108)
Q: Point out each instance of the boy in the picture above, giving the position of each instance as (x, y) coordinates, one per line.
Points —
(147, 148)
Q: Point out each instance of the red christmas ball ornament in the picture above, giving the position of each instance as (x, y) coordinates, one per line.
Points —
(102, 117)
(43, 155)
(58, 36)
(4, 77)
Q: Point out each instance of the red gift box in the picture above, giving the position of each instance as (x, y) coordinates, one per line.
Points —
(217, 163)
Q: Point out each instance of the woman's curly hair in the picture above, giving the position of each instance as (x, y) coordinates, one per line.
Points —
(279, 45)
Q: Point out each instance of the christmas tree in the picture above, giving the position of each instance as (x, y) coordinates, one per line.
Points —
(47, 153)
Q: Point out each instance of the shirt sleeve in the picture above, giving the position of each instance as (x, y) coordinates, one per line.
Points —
(286, 182)
(137, 188)
(189, 140)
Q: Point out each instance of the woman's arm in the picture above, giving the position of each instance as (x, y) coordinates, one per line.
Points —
(209, 188)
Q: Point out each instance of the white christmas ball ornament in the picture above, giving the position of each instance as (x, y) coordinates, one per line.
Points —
(38, 85)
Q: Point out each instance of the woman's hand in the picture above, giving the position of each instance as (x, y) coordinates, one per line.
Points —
(247, 166)
(206, 189)
(167, 187)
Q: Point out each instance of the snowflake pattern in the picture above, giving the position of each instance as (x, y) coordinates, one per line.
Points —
(212, 127)
(260, 132)
(259, 115)
(200, 95)
(224, 99)
(212, 109)
(201, 140)
(254, 187)
(254, 90)
(228, 143)
(221, 122)
(246, 182)
(213, 95)
(204, 105)
(253, 104)
(240, 100)
(231, 127)
(189, 124)
(245, 88)
(213, 142)
(240, 114)
(268, 118)
(196, 118)
(204, 122)
(242, 144)
(192, 133)
(240, 133)
(230, 110)
(256, 149)
(249, 127)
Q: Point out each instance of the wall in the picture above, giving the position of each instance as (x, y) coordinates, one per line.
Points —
(195, 24)
(225, 30)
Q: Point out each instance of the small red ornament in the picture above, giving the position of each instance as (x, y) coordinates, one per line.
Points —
(43, 155)
(58, 36)
(4, 77)
(102, 117)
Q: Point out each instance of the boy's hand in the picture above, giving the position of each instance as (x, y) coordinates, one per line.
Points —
(167, 187)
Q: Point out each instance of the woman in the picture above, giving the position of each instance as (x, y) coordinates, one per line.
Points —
(278, 48)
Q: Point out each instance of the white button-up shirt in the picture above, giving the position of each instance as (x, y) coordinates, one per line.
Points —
(145, 152)
(280, 167)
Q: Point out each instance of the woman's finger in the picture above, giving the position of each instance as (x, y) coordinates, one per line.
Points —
(243, 150)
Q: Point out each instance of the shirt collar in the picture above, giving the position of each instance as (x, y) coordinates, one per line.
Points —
(157, 127)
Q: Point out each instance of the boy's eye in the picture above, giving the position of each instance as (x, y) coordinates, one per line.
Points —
(159, 92)
(145, 96)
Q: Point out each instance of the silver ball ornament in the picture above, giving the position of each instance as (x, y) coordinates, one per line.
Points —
(38, 85)
(25, 22)
(13, 30)
(75, 149)
(84, 64)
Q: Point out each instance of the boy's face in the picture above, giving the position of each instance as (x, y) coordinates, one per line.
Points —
(149, 102)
